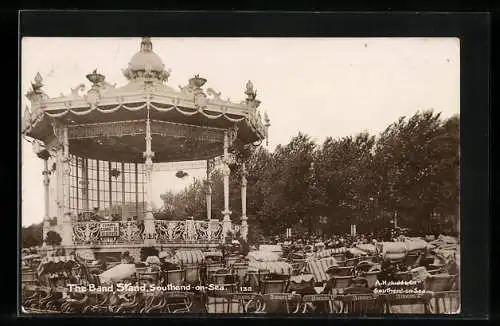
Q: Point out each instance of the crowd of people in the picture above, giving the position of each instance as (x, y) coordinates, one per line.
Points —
(347, 269)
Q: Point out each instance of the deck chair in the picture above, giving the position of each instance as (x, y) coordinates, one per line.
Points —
(341, 271)
(240, 270)
(361, 304)
(407, 303)
(29, 277)
(254, 279)
(364, 266)
(371, 278)
(447, 302)
(371, 259)
(280, 303)
(342, 282)
(192, 273)
(223, 278)
(298, 267)
(351, 262)
(174, 277)
(434, 271)
(149, 277)
(313, 303)
(224, 302)
(274, 286)
(439, 282)
(178, 302)
(232, 260)
(403, 276)
(340, 258)
(211, 269)
(411, 259)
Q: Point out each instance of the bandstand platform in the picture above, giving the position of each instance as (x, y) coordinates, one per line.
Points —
(101, 145)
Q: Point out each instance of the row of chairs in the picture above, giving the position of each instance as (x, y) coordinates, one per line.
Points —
(437, 303)
(227, 302)
(194, 274)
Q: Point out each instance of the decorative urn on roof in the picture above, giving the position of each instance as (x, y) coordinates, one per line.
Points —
(95, 78)
(197, 81)
(251, 94)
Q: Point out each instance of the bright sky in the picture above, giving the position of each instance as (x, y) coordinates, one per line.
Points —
(320, 86)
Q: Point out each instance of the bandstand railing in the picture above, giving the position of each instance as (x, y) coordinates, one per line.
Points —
(132, 232)
(188, 231)
(122, 232)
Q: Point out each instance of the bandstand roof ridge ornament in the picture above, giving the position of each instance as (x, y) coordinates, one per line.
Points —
(108, 122)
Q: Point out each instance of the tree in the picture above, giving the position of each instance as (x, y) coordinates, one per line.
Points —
(53, 238)
(189, 202)
(287, 186)
(343, 179)
(412, 169)
(417, 162)
(32, 235)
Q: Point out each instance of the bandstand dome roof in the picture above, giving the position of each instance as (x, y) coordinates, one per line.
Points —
(145, 57)
(108, 122)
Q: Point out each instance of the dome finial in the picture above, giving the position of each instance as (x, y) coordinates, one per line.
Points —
(146, 45)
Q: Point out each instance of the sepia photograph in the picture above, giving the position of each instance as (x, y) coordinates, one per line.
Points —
(255, 175)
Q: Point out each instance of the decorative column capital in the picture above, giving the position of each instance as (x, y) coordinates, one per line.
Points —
(226, 171)
(148, 155)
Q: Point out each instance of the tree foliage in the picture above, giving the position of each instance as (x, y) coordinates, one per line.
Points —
(32, 235)
(411, 170)
(53, 238)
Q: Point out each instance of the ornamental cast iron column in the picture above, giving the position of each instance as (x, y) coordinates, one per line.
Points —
(226, 171)
(244, 224)
(149, 226)
(210, 166)
(43, 154)
(46, 182)
(67, 229)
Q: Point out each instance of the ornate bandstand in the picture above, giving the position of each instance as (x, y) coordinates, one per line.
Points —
(100, 148)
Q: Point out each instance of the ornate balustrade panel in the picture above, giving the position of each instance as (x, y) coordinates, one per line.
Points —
(188, 231)
(86, 232)
(202, 229)
(124, 232)
(215, 231)
(131, 232)
(170, 231)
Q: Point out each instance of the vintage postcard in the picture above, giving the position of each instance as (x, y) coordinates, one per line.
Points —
(240, 175)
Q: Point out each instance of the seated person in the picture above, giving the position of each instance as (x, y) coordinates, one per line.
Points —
(153, 268)
(126, 258)
(358, 286)
(168, 263)
(101, 263)
(388, 271)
